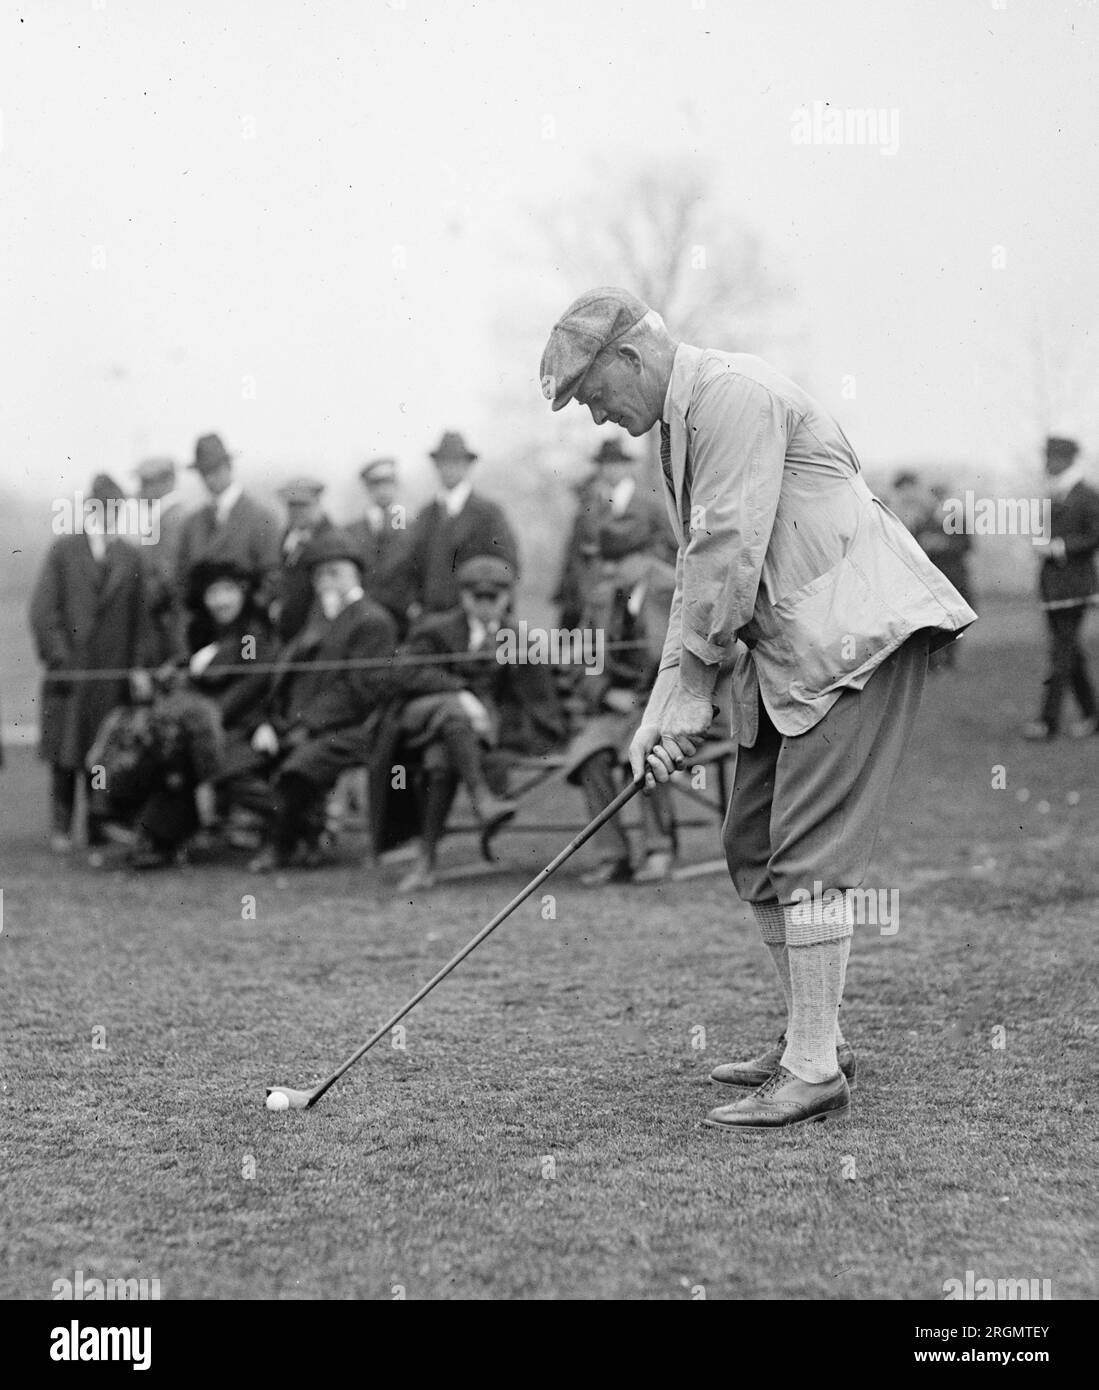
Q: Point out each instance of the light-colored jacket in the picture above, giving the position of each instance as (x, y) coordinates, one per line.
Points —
(783, 545)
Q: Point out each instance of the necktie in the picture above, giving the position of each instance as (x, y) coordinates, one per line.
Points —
(666, 451)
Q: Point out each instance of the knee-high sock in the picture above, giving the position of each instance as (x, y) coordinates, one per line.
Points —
(816, 981)
(771, 919)
(781, 959)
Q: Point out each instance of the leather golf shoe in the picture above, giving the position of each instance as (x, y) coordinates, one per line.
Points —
(784, 1100)
(756, 1070)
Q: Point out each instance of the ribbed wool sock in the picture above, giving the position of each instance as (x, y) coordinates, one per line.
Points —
(781, 961)
(816, 980)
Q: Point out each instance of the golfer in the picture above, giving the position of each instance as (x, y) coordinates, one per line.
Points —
(784, 549)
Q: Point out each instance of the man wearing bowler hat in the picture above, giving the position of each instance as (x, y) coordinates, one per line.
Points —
(383, 536)
(305, 522)
(784, 549)
(232, 526)
(458, 525)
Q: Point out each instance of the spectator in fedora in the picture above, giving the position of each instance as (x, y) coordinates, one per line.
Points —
(305, 521)
(1068, 586)
(232, 526)
(384, 537)
(457, 526)
(90, 610)
(613, 498)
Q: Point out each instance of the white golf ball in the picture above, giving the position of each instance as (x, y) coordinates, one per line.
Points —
(277, 1100)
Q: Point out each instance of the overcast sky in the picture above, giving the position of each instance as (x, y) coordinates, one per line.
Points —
(284, 220)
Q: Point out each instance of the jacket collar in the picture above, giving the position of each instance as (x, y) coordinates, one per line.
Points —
(681, 385)
(685, 365)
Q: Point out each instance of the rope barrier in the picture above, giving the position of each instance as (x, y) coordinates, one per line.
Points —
(364, 663)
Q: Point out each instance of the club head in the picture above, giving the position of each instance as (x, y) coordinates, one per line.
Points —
(299, 1100)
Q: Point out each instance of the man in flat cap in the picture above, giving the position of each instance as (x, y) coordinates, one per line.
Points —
(305, 522)
(465, 719)
(232, 526)
(1068, 586)
(457, 526)
(384, 537)
(784, 548)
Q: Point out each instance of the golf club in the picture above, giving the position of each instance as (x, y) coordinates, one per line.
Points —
(303, 1100)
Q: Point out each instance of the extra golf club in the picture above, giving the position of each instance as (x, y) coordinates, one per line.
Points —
(303, 1100)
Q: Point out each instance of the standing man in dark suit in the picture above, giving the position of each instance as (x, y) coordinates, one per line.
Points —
(157, 486)
(1068, 586)
(156, 482)
(232, 526)
(384, 538)
(458, 526)
(305, 521)
(90, 610)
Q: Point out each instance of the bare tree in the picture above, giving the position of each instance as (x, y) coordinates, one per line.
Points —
(661, 230)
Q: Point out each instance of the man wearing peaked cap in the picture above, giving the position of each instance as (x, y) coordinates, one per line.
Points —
(486, 572)
(305, 521)
(457, 525)
(383, 536)
(790, 568)
(231, 526)
(467, 719)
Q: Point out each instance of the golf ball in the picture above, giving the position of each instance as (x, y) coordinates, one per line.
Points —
(277, 1101)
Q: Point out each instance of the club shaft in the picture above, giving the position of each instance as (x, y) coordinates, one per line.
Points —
(607, 813)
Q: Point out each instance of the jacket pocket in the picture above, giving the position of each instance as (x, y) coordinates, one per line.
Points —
(836, 624)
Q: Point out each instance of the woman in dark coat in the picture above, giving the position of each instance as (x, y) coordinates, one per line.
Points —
(90, 610)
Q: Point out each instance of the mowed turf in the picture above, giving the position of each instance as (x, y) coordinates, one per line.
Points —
(538, 1136)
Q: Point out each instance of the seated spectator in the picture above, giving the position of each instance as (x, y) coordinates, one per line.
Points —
(315, 723)
(629, 604)
(159, 763)
(461, 721)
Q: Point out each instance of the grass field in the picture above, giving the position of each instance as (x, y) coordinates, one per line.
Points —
(538, 1135)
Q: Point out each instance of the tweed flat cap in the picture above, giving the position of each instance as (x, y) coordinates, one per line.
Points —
(590, 324)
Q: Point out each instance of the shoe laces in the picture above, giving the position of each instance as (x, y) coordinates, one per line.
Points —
(777, 1078)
